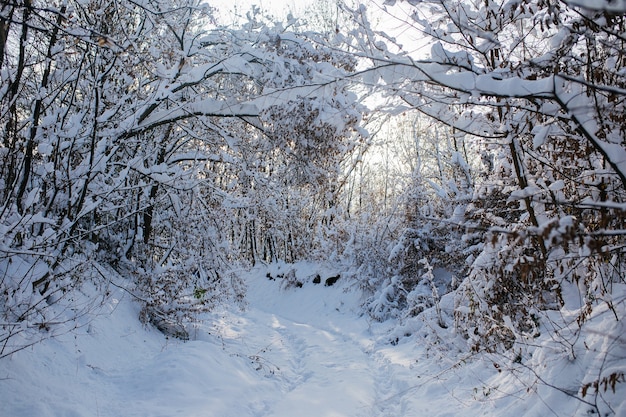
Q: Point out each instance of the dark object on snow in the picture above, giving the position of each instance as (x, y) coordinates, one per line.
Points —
(269, 276)
(330, 281)
(317, 279)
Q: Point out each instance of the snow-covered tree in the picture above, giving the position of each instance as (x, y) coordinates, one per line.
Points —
(540, 84)
(131, 131)
(426, 184)
(538, 88)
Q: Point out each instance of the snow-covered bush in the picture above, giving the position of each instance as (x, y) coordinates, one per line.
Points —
(29, 316)
(406, 285)
(174, 297)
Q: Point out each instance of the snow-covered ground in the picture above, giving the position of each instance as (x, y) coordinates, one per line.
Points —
(292, 352)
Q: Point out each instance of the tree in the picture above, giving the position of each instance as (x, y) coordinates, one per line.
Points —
(425, 183)
(540, 84)
(128, 133)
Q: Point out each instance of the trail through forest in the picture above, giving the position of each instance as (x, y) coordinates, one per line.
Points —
(291, 351)
(304, 352)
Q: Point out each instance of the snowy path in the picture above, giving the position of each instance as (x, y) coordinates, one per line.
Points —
(322, 358)
(298, 352)
(325, 373)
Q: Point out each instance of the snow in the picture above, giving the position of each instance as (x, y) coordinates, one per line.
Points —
(206, 106)
(524, 193)
(614, 6)
(540, 135)
(293, 351)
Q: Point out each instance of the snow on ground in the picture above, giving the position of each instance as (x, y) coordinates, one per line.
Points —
(293, 352)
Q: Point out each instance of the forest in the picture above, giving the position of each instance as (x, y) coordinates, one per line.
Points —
(461, 163)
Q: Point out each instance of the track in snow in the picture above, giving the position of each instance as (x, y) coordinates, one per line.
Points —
(323, 359)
